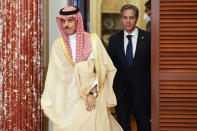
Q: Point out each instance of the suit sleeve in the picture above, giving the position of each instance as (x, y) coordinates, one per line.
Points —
(110, 49)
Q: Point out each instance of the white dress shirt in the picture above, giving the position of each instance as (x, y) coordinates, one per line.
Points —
(72, 41)
(134, 40)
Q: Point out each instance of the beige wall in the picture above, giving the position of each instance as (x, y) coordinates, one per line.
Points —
(113, 6)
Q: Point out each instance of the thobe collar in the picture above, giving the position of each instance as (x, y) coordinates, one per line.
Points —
(72, 41)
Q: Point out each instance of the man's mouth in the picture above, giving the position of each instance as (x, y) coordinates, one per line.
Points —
(67, 27)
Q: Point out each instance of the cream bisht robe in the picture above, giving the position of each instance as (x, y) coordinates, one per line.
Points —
(67, 85)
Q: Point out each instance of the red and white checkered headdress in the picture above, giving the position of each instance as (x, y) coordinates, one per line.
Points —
(83, 42)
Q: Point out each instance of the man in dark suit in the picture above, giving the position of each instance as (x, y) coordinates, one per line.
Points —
(130, 53)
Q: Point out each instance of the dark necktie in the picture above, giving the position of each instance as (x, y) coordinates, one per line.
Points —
(129, 52)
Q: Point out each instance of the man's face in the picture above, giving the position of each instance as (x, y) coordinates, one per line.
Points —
(128, 20)
(69, 25)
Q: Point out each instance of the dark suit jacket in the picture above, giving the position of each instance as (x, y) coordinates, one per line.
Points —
(134, 79)
(148, 26)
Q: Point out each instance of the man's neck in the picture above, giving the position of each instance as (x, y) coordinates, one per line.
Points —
(130, 32)
(73, 35)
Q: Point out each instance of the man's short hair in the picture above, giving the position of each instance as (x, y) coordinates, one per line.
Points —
(148, 4)
(131, 7)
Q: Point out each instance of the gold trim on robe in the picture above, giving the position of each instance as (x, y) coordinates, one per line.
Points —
(65, 50)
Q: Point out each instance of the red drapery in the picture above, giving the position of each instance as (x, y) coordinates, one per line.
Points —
(20, 65)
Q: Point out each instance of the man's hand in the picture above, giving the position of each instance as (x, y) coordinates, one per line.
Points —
(90, 102)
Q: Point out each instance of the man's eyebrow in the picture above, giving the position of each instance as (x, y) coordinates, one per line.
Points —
(71, 18)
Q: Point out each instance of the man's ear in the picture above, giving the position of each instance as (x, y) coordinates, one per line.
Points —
(137, 19)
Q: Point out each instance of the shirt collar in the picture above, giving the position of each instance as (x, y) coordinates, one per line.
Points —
(134, 33)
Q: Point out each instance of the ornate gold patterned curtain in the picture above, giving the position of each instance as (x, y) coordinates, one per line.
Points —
(20, 64)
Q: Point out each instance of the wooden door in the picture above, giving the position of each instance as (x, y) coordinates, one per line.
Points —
(174, 65)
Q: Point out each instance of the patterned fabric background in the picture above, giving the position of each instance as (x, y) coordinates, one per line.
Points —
(21, 65)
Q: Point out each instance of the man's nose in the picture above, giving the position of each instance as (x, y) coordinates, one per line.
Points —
(127, 20)
(65, 23)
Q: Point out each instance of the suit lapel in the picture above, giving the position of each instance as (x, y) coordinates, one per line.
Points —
(139, 44)
(121, 43)
(122, 52)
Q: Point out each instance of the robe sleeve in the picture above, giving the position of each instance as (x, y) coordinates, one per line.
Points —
(53, 97)
(107, 72)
